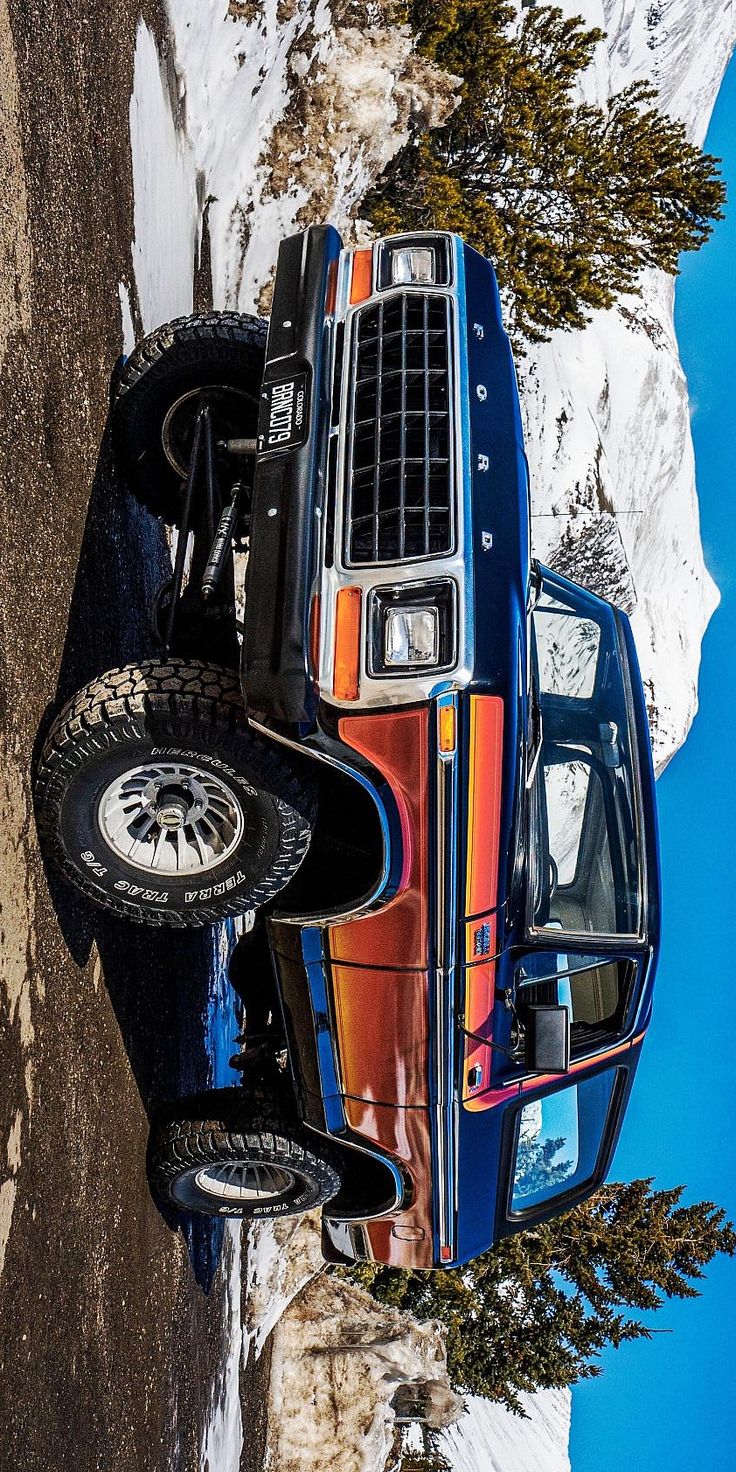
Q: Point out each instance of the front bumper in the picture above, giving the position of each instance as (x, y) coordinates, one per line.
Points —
(289, 489)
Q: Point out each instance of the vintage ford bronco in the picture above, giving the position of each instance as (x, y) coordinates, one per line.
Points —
(426, 755)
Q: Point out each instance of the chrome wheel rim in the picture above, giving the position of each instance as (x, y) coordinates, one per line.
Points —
(171, 818)
(244, 1180)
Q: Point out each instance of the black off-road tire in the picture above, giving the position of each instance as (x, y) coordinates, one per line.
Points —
(186, 713)
(226, 1130)
(219, 350)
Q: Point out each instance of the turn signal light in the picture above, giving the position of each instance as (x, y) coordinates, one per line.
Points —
(361, 284)
(348, 610)
(446, 729)
(314, 632)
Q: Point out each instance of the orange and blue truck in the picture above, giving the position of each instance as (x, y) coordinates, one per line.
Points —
(373, 718)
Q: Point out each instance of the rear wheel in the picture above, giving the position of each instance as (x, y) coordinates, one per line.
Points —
(218, 357)
(155, 798)
(241, 1158)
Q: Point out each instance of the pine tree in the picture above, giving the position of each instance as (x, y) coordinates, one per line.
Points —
(570, 200)
(538, 1308)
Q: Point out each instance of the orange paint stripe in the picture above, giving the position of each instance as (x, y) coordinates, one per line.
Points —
(396, 934)
(484, 802)
(480, 982)
(382, 1022)
(331, 294)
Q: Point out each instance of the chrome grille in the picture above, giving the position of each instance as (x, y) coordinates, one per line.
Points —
(399, 463)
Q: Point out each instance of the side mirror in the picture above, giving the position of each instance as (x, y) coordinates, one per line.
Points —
(547, 1039)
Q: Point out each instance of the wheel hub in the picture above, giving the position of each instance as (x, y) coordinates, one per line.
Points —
(171, 818)
(245, 1180)
(232, 412)
(172, 814)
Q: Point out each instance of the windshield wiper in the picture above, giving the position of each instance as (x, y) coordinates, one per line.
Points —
(537, 737)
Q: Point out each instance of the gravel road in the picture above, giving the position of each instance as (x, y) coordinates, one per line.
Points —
(111, 1318)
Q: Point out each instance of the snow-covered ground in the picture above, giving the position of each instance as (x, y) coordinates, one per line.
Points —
(269, 116)
(487, 1438)
(222, 1441)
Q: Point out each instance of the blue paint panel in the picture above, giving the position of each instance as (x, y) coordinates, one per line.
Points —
(223, 1017)
(478, 1158)
(500, 484)
(311, 942)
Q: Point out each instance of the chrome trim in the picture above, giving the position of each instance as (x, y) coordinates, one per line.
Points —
(419, 235)
(446, 1109)
(377, 690)
(380, 307)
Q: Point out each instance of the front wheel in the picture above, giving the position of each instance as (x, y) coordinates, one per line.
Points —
(240, 1158)
(156, 800)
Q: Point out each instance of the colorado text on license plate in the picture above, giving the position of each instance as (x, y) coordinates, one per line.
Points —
(283, 418)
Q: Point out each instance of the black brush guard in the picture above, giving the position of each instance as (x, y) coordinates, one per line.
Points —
(289, 489)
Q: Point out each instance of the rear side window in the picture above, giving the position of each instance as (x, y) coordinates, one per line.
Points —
(559, 1140)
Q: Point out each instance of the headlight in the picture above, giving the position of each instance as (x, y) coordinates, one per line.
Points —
(410, 636)
(412, 628)
(414, 261)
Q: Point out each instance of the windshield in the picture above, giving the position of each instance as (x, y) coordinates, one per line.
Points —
(559, 1140)
(584, 841)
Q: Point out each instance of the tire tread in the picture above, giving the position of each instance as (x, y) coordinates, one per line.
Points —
(205, 702)
(255, 1127)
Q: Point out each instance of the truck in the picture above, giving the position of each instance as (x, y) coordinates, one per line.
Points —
(419, 755)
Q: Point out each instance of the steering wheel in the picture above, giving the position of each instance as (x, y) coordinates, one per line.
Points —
(554, 876)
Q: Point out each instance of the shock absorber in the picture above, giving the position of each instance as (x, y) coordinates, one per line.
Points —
(220, 548)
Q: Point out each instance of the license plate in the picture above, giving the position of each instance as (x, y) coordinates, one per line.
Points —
(283, 419)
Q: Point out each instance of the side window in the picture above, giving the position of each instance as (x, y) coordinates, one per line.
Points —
(567, 651)
(597, 991)
(577, 827)
(586, 871)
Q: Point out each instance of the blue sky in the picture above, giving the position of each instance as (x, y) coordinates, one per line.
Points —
(672, 1401)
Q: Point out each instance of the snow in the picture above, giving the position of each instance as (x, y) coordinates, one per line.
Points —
(288, 118)
(488, 1438)
(283, 1256)
(338, 1359)
(165, 211)
(222, 1441)
(126, 319)
(606, 410)
(273, 115)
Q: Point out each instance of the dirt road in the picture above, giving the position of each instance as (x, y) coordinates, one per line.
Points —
(110, 1317)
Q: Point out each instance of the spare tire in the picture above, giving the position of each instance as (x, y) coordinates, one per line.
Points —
(159, 390)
